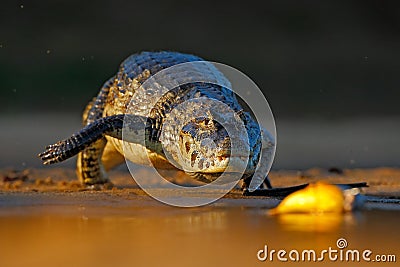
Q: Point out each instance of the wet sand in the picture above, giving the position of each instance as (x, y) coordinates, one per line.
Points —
(48, 219)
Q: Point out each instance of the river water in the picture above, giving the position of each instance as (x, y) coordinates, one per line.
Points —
(99, 230)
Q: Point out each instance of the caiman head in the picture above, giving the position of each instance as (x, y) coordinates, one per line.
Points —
(205, 147)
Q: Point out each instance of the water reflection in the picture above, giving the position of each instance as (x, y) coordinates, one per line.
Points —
(326, 222)
(192, 223)
(150, 236)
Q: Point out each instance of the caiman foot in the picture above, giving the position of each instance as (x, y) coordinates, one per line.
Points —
(100, 187)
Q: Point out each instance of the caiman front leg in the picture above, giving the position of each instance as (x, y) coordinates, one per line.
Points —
(135, 126)
(259, 180)
(89, 164)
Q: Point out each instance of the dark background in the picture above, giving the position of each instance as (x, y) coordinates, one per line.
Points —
(331, 59)
(329, 69)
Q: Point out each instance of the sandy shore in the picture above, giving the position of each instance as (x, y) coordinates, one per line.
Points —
(383, 182)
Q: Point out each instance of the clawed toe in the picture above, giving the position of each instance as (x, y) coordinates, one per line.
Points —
(52, 154)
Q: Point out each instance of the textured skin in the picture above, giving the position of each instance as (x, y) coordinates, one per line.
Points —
(99, 143)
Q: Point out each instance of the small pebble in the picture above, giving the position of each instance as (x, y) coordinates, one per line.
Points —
(48, 181)
(39, 182)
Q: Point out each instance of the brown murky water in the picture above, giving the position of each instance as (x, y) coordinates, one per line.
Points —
(81, 229)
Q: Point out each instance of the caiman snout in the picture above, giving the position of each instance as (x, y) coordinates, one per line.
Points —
(206, 145)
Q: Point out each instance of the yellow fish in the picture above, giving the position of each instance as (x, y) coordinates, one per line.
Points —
(317, 197)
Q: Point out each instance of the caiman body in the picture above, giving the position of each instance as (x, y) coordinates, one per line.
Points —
(201, 141)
